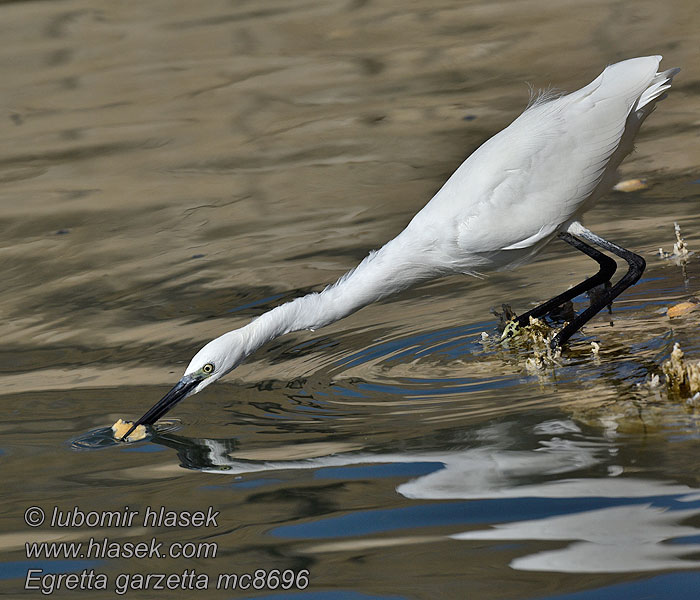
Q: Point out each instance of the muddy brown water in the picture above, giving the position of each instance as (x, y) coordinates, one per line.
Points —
(170, 170)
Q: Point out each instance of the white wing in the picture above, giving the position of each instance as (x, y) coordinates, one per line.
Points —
(523, 184)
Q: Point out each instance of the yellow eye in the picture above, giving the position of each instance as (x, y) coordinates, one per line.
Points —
(208, 369)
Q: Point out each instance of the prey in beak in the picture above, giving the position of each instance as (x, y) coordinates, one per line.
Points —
(180, 391)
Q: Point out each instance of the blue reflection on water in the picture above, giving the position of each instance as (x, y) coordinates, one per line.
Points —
(255, 303)
(676, 585)
(325, 595)
(18, 569)
(413, 345)
(458, 513)
(409, 469)
(469, 385)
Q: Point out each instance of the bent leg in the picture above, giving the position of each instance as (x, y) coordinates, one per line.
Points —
(636, 268)
(606, 271)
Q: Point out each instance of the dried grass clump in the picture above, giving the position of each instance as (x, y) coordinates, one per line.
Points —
(682, 377)
(680, 248)
(534, 339)
(681, 252)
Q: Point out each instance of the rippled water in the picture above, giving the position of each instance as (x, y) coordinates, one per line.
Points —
(171, 170)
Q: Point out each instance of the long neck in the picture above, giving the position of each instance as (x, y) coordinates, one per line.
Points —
(382, 273)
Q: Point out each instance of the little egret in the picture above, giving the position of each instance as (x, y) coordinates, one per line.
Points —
(525, 186)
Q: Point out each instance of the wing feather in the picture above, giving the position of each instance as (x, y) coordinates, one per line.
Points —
(541, 172)
(535, 175)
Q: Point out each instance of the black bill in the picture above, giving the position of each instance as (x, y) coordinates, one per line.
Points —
(179, 392)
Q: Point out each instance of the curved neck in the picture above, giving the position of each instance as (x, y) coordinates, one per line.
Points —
(382, 273)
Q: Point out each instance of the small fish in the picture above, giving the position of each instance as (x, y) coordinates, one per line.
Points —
(121, 427)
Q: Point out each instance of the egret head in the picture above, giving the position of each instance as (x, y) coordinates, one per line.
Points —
(212, 362)
(215, 359)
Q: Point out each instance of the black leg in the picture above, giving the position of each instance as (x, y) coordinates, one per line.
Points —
(606, 271)
(636, 268)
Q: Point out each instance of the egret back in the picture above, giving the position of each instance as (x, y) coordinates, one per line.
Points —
(522, 186)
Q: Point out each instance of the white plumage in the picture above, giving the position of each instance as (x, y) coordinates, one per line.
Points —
(542, 171)
(515, 193)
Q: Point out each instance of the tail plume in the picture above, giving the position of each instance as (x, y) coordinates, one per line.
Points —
(656, 89)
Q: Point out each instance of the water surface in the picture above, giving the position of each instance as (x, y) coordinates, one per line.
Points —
(171, 170)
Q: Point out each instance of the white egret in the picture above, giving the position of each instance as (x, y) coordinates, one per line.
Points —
(518, 191)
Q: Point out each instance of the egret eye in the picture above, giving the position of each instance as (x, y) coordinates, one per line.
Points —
(208, 369)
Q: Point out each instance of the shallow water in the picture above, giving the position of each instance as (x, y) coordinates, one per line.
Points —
(171, 170)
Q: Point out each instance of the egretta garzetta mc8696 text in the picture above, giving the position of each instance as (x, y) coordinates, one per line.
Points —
(525, 186)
